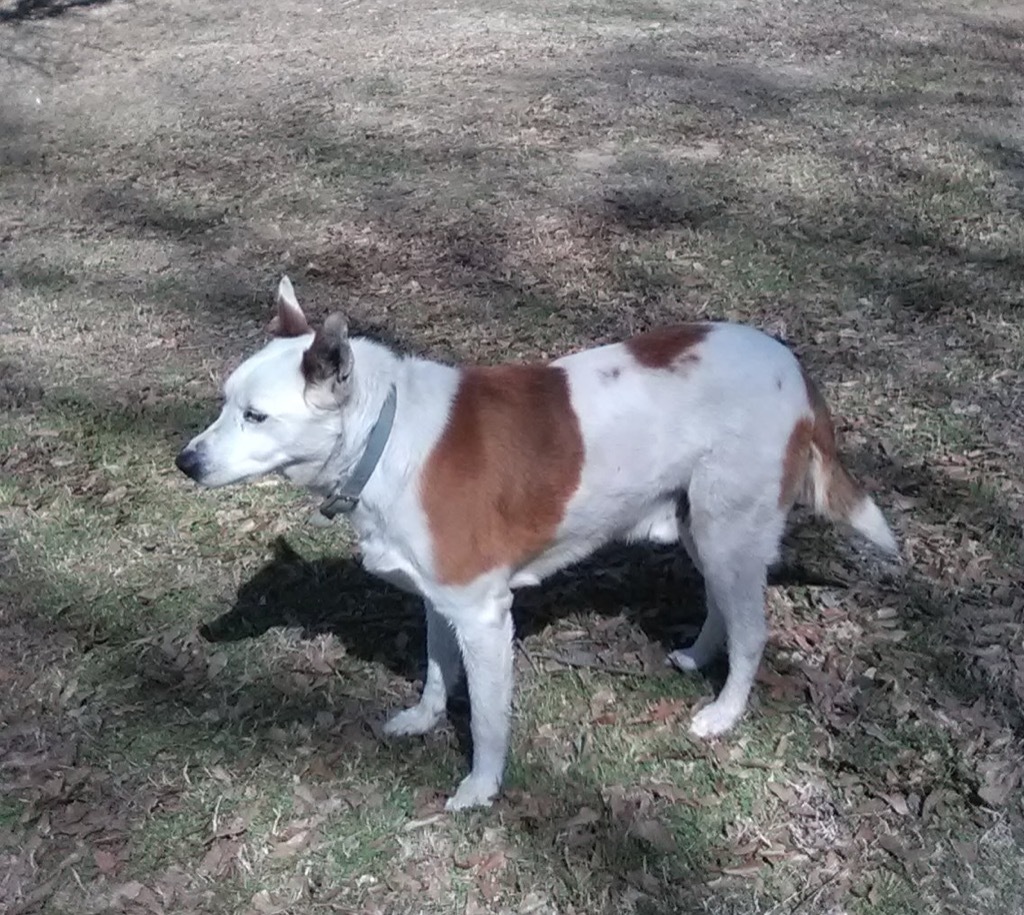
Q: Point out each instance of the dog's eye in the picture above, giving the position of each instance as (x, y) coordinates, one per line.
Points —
(253, 416)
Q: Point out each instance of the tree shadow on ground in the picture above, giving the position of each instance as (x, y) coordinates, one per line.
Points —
(126, 207)
(24, 10)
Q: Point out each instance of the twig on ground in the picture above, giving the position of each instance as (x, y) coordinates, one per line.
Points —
(576, 664)
(528, 656)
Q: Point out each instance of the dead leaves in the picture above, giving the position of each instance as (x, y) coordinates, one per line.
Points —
(587, 816)
(262, 903)
(602, 705)
(999, 780)
(581, 830)
(898, 803)
(685, 793)
(223, 847)
(901, 848)
(661, 712)
(293, 839)
(655, 833)
(427, 801)
(233, 847)
(603, 712)
(175, 657)
(644, 881)
(784, 793)
(135, 896)
(781, 687)
(486, 869)
(482, 862)
(533, 809)
(632, 814)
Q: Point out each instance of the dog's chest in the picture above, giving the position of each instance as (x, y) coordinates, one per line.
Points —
(380, 558)
(389, 548)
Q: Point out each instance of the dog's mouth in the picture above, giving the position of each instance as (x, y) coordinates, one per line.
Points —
(196, 464)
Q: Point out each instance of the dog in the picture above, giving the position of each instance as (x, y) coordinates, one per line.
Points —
(467, 483)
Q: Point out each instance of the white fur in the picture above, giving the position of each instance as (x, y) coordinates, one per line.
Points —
(714, 431)
(867, 520)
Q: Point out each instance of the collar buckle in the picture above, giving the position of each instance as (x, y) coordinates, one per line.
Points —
(338, 503)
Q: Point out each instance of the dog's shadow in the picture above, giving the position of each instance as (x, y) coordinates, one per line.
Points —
(655, 590)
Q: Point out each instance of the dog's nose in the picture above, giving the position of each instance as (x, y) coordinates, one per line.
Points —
(189, 463)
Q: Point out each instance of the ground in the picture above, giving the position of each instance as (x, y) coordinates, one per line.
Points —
(192, 683)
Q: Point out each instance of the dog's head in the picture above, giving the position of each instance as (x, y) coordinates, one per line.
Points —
(282, 407)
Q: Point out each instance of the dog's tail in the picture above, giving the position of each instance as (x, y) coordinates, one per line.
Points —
(831, 491)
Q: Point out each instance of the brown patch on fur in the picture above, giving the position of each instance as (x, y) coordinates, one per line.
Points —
(668, 347)
(841, 494)
(795, 462)
(495, 487)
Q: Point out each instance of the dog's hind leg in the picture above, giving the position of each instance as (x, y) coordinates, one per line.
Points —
(711, 640)
(444, 670)
(736, 547)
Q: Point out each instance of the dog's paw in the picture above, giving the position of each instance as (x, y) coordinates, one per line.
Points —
(413, 721)
(473, 792)
(686, 659)
(714, 719)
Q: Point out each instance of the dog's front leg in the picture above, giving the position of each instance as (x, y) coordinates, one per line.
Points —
(443, 671)
(485, 637)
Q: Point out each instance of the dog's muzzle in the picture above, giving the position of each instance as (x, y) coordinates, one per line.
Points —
(190, 462)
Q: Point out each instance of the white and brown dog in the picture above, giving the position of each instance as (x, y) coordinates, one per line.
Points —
(464, 484)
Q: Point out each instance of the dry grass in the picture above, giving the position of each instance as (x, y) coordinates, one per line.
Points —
(483, 183)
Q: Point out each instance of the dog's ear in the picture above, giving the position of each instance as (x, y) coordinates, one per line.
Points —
(328, 361)
(289, 320)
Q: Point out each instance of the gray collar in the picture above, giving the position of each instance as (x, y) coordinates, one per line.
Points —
(345, 496)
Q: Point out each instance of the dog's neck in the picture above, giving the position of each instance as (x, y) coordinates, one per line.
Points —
(375, 370)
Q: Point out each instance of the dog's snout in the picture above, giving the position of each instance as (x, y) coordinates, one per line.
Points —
(189, 462)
